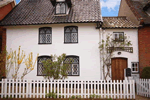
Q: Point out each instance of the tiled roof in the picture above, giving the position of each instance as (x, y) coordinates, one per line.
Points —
(118, 22)
(137, 8)
(30, 12)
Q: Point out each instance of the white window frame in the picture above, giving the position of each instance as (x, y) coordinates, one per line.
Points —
(135, 67)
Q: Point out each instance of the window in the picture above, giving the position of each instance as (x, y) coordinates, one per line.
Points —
(71, 34)
(40, 66)
(45, 35)
(74, 66)
(60, 8)
(135, 67)
(118, 36)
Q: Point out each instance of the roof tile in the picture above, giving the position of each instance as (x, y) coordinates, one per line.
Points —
(118, 22)
(29, 12)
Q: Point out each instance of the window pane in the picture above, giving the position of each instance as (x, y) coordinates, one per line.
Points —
(57, 8)
(42, 31)
(74, 37)
(67, 37)
(42, 38)
(67, 30)
(48, 31)
(62, 8)
(74, 30)
(48, 38)
(75, 69)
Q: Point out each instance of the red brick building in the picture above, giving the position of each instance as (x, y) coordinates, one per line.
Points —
(138, 11)
(5, 7)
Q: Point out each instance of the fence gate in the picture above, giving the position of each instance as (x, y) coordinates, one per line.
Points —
(143, 87)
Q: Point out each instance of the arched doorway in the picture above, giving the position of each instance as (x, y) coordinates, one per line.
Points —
(117, 67)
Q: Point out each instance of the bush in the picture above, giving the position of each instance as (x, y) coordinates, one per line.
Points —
(146, 73)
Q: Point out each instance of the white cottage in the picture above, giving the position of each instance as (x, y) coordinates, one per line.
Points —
(64, 26)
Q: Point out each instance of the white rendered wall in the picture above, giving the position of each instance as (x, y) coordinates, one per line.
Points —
(132, 35)
(86, 48)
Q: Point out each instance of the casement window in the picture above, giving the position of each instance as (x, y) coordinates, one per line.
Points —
(45, 35)
(40, 66)
(118, 36)
(134, 67)
(71, 34)
(0, 43)
(73, 69)
(60, 8)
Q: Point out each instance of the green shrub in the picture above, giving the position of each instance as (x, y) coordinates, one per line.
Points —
(51, 95)
(146, 73)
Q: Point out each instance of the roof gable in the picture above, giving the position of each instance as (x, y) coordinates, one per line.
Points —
(139, 8)
(30, 12)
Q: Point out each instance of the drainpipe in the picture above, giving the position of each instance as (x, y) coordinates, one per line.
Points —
(100, 40)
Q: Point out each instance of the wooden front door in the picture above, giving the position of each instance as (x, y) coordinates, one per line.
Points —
(117, 66)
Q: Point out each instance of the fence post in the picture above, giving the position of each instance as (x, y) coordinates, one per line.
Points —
(2, 88)
(5, 87)
(133, 89)
(81, 89)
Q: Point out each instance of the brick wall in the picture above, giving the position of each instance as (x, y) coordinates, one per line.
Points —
(3, 34)
(144, 47)
(5, 10)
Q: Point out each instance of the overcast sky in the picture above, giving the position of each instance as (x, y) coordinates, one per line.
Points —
(108, 7)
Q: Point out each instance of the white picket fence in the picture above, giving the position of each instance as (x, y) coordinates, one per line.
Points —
(39, 88)
(143, 87)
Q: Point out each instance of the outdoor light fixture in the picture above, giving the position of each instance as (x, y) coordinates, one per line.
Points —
(119, 53)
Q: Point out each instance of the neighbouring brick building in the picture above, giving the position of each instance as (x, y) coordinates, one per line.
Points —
(138, 11)
(5, 7)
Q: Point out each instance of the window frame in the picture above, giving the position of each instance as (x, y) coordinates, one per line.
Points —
(73, 56)
(135, 72)
(45, 33)
(60, 7)
(43, 56)
(119, 37)
(76, 27)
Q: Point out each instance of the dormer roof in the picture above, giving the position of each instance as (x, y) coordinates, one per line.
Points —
(33, 12)
(67, 1)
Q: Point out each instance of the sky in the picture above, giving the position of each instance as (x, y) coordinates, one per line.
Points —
(108, 7)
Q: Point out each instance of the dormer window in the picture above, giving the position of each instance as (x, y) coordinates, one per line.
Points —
(61, 8)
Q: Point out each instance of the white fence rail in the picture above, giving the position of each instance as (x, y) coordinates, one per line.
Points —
(65, 89)
(143, 87)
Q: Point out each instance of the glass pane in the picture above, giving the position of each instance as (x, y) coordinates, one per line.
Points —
(58, 8)
(42, 31)
(121, 36)
(75, 69)
(67, 37)
(74, 37)
(69, 70)
(48, 31)
(48, 38)
(74, 30)
(42, 38)
(67, 30)
(116, 37)
(62, 8)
